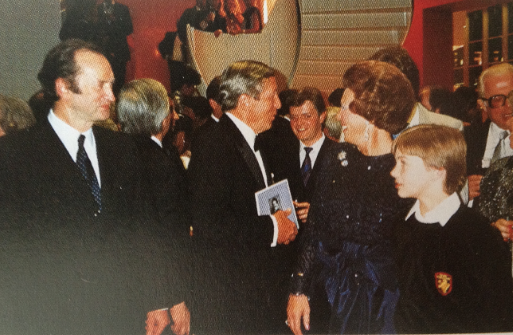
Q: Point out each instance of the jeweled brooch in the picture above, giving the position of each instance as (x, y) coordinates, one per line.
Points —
(342, 157)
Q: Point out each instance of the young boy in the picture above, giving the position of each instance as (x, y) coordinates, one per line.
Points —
(453, 268)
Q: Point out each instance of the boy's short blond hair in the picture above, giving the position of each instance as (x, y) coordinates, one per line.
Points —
(439, 147)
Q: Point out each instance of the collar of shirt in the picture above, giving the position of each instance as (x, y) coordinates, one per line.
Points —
(69, 138)
(156, 140)
(247, 132)
(441, 213)
(316, 147)
(415, 117)
(492, 141)
(214, 118)
(249, 135)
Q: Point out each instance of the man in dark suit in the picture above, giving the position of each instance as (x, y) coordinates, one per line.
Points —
(240, 276)
(114, 26)
(297, 163)
(495, 84)
(143, 110)
(81, 252)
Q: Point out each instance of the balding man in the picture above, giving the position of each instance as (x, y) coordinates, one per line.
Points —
(489, 141)
(84, 254)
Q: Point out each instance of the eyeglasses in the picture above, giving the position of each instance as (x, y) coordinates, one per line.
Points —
(498, 100)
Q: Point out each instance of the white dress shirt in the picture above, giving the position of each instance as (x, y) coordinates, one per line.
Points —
(441, 213)
(250, 136)
(316, 147)
(491, 143)
(69, 137)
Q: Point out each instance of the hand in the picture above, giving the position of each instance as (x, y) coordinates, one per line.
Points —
(473, 186)
(287, 229)
(504, 227)
(302, 209)
(181, 319)
(218, 33)
(297, 308)
(158, 320)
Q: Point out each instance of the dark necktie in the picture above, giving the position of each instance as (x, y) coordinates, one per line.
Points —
(86, 168)
(306, 168)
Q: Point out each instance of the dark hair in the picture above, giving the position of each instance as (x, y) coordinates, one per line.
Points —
(399, 57)
(199, 106)
(465, 99)
(382, 94)
(40, 105)
(213, 89)
(285, 96)
(442, 99)
(191, 77)
(335, 96)
(60, 63)
(243, 77)
(309, 94)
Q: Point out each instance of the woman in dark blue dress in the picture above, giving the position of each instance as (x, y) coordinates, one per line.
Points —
(345, 252)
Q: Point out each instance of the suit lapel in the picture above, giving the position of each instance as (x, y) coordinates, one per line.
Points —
(243, 148)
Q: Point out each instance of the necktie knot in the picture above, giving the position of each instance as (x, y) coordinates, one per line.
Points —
(308, 150)
(81, 140)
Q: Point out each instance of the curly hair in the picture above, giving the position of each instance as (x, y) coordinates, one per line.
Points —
(383, 94)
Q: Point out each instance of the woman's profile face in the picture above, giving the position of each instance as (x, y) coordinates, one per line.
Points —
(353, 125)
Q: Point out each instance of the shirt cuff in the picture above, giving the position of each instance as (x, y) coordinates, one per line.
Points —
(275, 234)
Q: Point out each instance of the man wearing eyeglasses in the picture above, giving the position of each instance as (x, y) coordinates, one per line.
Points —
(489, 141)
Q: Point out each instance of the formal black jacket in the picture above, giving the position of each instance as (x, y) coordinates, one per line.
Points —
(476, 136)
(67, 269)
(287, 165)
(166, 184)
(241, 278)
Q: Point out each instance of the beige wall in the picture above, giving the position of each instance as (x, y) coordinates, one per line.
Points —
(28, 29)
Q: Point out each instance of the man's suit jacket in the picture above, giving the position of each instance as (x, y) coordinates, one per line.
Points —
(476, 136)
(240, 278)
(427, 117)
(287, 165)
(166, 184)
(67, 269)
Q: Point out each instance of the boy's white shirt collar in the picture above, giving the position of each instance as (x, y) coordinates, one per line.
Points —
(441, 213)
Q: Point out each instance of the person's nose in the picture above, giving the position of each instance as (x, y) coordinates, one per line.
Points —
(109, 94)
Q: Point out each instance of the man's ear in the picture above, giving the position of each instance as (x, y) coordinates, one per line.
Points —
(61, 87)
(322, 117)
